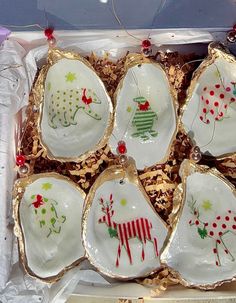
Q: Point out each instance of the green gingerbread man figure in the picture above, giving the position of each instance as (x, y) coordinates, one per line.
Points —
(143, 119)
(46, 214)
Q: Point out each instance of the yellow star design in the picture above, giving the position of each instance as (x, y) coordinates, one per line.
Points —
(70, 77)
(123, 202)
(49, 85)
(46, 186)
(129, 109)
(207, 205)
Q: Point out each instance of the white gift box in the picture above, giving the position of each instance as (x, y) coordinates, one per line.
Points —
(83, 284)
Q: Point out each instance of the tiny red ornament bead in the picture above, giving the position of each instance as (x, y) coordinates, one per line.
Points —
(146, 43)
(20, 160)
(48, 32)
(121, 147)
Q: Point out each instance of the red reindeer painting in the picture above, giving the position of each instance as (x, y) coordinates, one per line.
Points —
(139, 228)
(216, 229)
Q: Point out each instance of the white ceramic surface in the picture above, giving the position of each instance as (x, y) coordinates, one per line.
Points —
(214, 93)
(52, 246)
(103, 249)
(151, 145)
(205, 256)
(73, 120)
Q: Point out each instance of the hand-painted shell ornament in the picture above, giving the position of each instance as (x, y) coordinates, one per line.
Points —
(75, 108)
(202, 246)
(145, 116)
(47, 213)
(122, 234)
(209, 115)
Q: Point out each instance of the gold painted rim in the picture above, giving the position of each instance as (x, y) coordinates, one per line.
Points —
(128, 172)
(215, 51)
(55, 55)
(137, 59)
(18, 192)
(188, 168)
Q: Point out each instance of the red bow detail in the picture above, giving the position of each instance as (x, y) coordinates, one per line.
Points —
(38, 202)
(85, 99)
(144, 107)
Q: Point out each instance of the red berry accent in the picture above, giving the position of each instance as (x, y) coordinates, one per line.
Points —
(234, 226)
(223, 226)
(146, 43)
(207, 101)
(227, 218)
(212, 111)
(204, 110)
(225, 106)
(202, 98)
(221, 114)
(212, 93)
(229, 211)
(218, 241)
(217, 263)
(217, 85)
(208, 121)
(216, 104)
(190, 221)
(214, 225)
(48, 32)
(218, 218)
(20, 160)
(197, 222)
(226, 251)
(234, 218)
(201, 117)
(228, 89)
(122, 148)
(211, 233)
(232, 99)
(222, 96)
(206, 224)
(204, 88)
(214, 250)
(220, 233)
(216, 118)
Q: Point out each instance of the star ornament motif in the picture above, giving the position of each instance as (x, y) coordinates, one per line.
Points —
(46, 186)
(206, 204)
(70, 77)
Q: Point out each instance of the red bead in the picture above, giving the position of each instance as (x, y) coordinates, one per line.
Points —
(20, 160)
(48, 32)
(146, 43)
(121, 147)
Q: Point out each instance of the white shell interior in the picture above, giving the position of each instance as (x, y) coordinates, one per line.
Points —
(48, 255)
(129, 204)
(85, 131)
(189, 254)
(216, 137)
(149, 81)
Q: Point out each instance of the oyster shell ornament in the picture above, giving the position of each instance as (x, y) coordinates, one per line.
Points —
(122, 233)
(47, 214)
(145, 115)
(209, 114)
(202, 246)
(75, 117)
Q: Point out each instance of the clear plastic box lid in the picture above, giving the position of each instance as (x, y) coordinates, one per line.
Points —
(97, 14)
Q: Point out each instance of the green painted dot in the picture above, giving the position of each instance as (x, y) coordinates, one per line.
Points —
(60, 120)
(77, 99)
(77, 91)
(36, 211)
(70, 103)
(66, 122)
(52, 208)
(64, 100)
(95, 115)
(58, 91)
(71, 90)
(71, 117)
(43, 222)
(90, 111)
(53, 220)
(57, 104)
(58, 113)
(64, 107)
(58, 98)
(49, 114)
(64, 93)
(43, 211)
(123, 202)
(70, 96)
(52, 102)
(53, 109)
(77, 106)
(70, 110)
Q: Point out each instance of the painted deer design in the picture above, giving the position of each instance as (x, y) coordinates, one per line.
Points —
(64, 105)
(215, 101)
(215, 230)
(139, 228)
